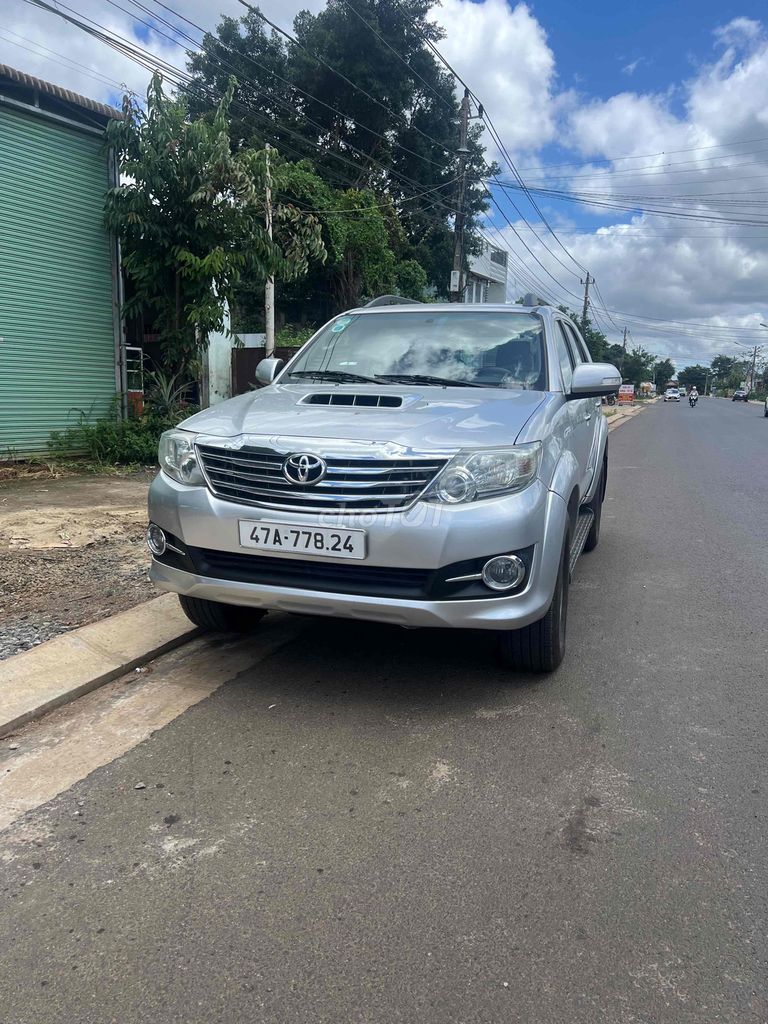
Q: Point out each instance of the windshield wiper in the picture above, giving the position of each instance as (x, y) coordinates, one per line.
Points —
(424, 378)
(339, 376)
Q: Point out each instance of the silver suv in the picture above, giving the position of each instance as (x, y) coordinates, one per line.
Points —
(417, 464)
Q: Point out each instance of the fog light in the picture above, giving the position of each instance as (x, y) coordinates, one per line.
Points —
(503, 572)
(156, 539)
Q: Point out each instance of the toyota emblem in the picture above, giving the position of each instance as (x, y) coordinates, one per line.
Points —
(304, 469)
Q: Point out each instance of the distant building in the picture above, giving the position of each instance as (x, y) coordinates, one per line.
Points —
(487, 277)
(61, 350)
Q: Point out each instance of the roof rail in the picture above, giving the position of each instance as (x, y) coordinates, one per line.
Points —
(392, 300)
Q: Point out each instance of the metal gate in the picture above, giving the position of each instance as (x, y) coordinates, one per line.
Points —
(57, 315)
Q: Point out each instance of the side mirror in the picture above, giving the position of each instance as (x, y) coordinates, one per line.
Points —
(268, 369)
(593, 380)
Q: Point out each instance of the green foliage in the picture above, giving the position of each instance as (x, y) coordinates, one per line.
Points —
(110, 441)
(411, 279)
(165, 396)
(293, 337)
(637, 366)
(691, 375)
(729, 372)
(664, 371)
(190, 216)
(399, 140)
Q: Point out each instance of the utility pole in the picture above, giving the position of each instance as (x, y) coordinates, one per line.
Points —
(269, 288)
(624, 347)
(587, 282)
(757, 349)
(458, 225)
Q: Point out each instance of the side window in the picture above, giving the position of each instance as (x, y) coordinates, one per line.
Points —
(564, 356)
(576, 344)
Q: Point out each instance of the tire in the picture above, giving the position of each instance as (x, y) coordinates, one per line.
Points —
(215, 617)
(540, 647)
(596, 505)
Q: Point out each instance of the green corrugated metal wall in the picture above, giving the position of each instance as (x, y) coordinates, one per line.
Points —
(57, 353)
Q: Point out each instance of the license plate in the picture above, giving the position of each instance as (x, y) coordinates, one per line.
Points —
(303, 540)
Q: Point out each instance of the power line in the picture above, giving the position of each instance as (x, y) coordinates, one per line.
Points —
(649, 156)
(58, 58)
(182, 80)
(651, 170)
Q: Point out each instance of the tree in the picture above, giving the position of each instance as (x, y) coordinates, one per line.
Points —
(368, 252)
(729, 371)
(189, 213)
(637, 366)
(693, 375)
(365, 117)
(663, 371)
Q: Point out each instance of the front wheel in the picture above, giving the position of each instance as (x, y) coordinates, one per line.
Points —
(215, 617)
(540, 647)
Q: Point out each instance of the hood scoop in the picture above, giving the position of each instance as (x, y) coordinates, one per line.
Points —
(345, 398)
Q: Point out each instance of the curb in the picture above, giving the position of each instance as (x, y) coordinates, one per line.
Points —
(622, 417)
(65, 668)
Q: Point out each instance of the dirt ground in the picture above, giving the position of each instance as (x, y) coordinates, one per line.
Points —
(71, 551)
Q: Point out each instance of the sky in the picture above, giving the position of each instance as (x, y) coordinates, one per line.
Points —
(618, 103)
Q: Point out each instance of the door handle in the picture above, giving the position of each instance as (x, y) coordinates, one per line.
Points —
(587, 415)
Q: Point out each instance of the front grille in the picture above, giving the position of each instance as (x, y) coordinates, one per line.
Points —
(254, 476)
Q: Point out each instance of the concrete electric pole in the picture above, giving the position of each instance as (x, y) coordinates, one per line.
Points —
(269, 288)
(458, 227)
(587, 282)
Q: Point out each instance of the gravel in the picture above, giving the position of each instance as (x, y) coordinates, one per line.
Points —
(53, 579)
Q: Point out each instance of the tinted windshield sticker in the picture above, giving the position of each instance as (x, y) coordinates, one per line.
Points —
(339, 326)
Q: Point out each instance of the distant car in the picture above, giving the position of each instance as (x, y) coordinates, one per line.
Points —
(740, 396)
(672, 395)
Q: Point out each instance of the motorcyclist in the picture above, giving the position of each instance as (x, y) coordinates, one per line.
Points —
(693, 395)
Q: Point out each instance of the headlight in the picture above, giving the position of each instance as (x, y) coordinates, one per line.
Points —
(177, 458)
(472, 475)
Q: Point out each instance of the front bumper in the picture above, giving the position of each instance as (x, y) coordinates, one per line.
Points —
(427, 537)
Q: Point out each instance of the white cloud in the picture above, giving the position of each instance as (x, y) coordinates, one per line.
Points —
(503, 53)
(631, 68)
(44, 45)
(738, 31)
(683, 143)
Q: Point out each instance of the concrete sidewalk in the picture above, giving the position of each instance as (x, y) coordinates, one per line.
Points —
(621, 413)
(59, 671)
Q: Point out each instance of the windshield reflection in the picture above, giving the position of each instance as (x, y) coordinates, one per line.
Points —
(492, 349)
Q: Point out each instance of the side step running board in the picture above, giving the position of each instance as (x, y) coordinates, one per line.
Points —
(583, 524)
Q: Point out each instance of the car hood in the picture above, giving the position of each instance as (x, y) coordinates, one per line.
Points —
(429, 418)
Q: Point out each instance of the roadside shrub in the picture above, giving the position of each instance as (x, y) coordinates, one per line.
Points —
(293, 337)
(108, 441)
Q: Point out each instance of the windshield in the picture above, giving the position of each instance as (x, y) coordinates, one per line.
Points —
(477, 348)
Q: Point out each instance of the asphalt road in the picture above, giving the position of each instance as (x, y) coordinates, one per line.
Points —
(376, 826)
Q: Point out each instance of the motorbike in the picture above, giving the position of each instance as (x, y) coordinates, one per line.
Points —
(692, 400)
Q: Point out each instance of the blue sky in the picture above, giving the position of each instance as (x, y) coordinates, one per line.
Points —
(594, 41)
